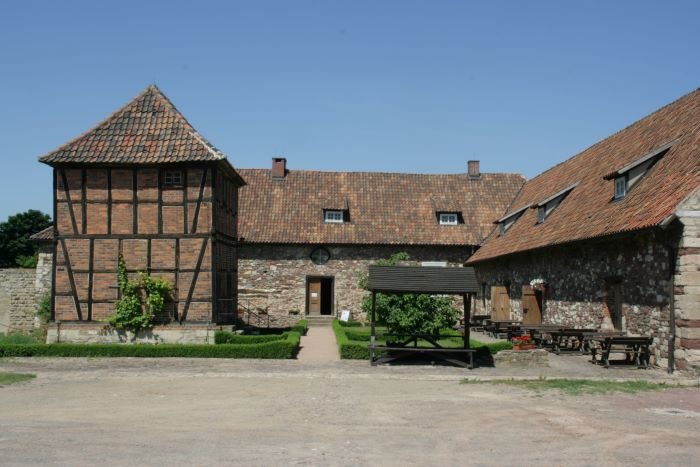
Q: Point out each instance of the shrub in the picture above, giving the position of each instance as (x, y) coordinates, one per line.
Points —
(350, 324)
(43, 308)
(227, 337)
(349, 350)
(16, 339)
(281, 349)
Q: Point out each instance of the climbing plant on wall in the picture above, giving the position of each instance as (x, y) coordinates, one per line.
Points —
(141, 300)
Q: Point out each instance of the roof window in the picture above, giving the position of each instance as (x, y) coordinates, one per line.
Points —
(333, 216)
(626, 177)
(507, 221)
(449, 218)
(547, 206)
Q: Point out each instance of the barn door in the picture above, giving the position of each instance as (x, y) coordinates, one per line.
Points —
(500, 303)
(532, 306)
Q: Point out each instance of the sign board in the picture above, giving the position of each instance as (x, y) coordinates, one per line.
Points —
(345, 315)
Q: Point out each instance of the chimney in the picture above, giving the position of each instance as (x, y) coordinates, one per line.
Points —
(279, 167)
(473, 169)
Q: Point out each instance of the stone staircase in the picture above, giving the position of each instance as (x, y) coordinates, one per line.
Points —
(319, 320)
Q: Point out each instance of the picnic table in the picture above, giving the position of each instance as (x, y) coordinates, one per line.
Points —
(571, 339)
(539, 333)
(400, 346)
(477, 322)
(636, 349)
(500, 328)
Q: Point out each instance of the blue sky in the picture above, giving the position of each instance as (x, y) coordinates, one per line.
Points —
(400, 86)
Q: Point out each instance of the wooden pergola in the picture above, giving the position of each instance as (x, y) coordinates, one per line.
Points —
(422, 280)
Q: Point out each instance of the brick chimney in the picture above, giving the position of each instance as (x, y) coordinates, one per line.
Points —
(279, 167)
(473, 169)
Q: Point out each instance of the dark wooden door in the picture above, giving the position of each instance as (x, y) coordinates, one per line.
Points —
(532, 306)
(614, 304)
(313, 296)
(500, 303)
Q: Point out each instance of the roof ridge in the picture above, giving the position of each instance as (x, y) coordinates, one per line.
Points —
(384, 173)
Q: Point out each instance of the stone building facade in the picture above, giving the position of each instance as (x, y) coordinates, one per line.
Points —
(306, 235)
(613, 234)
(18, 298)
(275, 278)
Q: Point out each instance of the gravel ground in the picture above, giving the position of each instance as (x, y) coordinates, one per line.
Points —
(250, 412)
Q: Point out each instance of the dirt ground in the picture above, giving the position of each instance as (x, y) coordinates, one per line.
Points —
(245, 412)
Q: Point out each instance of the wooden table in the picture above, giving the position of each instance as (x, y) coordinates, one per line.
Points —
(571, 339)
(499, 328)
(636, 349)
(406, 345)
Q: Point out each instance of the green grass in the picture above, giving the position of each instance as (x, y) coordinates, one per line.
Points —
(579, 386)
(11, 378)
(17, 339)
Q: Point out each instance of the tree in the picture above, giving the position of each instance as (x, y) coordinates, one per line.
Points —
(15, 246)
(409, 313)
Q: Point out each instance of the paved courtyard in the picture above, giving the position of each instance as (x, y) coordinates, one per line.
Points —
(245, 412)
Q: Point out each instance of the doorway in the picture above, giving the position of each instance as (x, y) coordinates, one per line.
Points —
(319, 295)
(532, 305)
(500, 303)
(613, 301)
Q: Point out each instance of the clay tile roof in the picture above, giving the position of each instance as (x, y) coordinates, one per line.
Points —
(383, 208)
(589, 210)
(147, 130)
(45, 235)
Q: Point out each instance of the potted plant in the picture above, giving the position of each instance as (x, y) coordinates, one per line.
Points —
(522, 343)
(538, 284)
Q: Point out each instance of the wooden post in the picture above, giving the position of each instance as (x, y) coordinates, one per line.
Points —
(466, 298)
(372, 338)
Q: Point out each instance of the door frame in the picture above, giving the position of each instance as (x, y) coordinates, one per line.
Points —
(306, 293)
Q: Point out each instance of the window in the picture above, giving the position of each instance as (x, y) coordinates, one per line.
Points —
(620, 187)
(333, 217)
(626, 177)
(505, 222)
(172, 178)
(547, 206)
(449, 218)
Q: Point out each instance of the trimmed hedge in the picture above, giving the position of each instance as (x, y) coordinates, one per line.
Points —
(281, 348)
(228, 337)
(353, 344)
(301, 327)
(350, 324)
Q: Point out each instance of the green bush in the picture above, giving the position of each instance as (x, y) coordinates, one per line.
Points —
(15, 339)
(348, 349)
(351, 324)
(227, 337)
(280, 348)
(43, 308)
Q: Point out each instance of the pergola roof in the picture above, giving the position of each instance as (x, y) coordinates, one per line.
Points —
(422, 279)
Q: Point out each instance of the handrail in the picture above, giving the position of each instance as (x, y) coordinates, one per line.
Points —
(259, 318)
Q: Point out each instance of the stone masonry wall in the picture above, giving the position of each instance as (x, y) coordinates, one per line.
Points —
(17, 300)
(273, 277)
(687, 287)
(578, 276)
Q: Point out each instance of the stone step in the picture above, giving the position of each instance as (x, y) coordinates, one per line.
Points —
(319, 320)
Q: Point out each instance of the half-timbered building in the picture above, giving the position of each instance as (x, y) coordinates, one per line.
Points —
(145, 185)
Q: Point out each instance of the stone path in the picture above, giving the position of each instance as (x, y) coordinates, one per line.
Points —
(318, 345)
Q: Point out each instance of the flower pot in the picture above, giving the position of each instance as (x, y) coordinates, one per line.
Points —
(519, 347)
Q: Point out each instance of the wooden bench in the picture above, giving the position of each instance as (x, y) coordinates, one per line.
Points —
(571, 339)
(393, 353)
(636, 349)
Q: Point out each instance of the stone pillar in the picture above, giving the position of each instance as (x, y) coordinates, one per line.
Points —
(687, 287)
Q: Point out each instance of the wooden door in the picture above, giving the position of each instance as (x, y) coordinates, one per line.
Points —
(313, 296)
(614, 304)
(500, 303)
(532, 306)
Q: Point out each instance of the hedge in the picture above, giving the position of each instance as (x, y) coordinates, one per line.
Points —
(353, 344)
(301, 327)
(281, 348)
(350, 324)
(228, 337)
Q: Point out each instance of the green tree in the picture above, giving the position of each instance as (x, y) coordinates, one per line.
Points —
(15, 246)
(409, 313)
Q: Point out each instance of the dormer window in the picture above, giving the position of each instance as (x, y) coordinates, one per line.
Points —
(507, 221)
(449, 218)
(547, 206)
(620, 187)
(333, 216)
(626, 177)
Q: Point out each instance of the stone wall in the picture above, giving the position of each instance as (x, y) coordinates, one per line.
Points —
(578, 276)
(44, 267)
(77, 332)
(18, 299)
(273, 277)
(687, 287)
